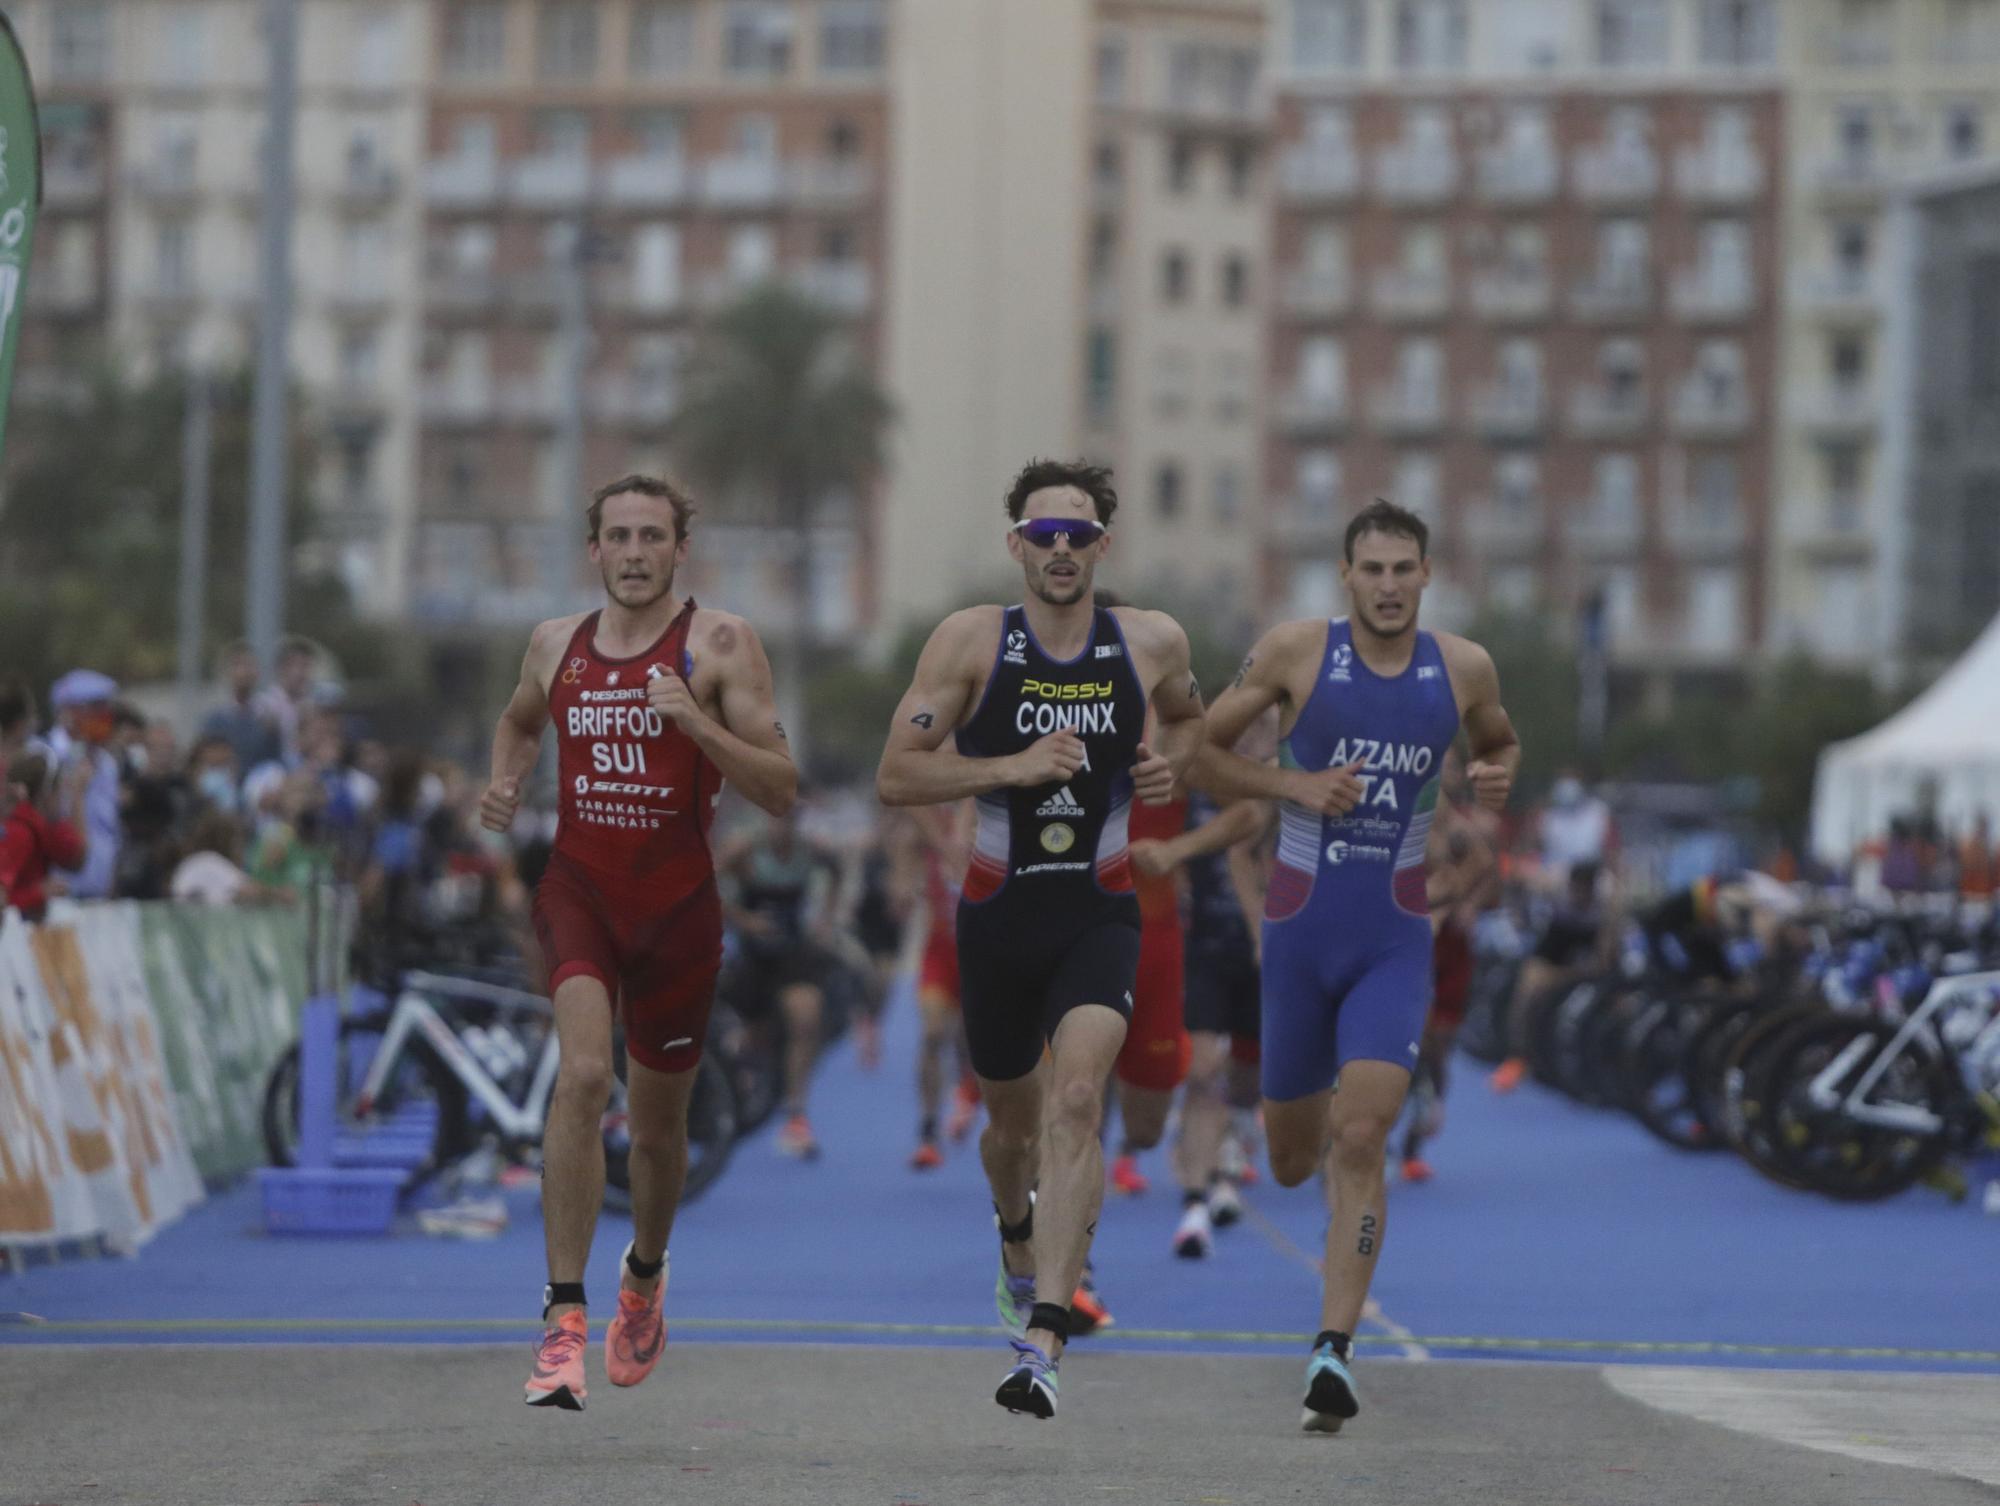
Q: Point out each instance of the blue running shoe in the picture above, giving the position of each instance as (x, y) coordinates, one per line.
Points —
(1014, 1300)
(1331, 1397)
(1031, 1385)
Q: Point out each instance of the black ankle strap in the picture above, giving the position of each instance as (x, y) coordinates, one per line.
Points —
(1015, 1234)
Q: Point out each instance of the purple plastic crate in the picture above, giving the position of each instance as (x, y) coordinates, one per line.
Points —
(326, 1200)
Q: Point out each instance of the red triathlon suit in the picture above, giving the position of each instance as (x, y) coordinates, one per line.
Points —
(937, 974)
(629, 897)
(1157, 1047)
(1451, 964)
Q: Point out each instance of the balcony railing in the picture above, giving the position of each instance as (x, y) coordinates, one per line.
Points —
(1304, 527)
(1840, 411)
(1852, 178)
(1835, 294)
(1604, 300)
(462, 182)
(1693, 535)
(535, 401)
(1518, 177)
(832, 184)
(68, 184)
(1508, 412)
(1700, 297)
(1409, 175)
(1701, 412)
(1320, 295)
(449, 402)
(1309, 175)
(742, 182)
(171, 180)
(1600, 532)
(1711, 178)
(1407, 412)
(1598, 412)
(1608, 176)
(1306, 414)
(359, 299)
(636, 402)
(1406, 295)
(848, 287)
(367, 184)
(1512, 297)
(461, 292)
(552, 181)
(1496, 528)
(647, 182)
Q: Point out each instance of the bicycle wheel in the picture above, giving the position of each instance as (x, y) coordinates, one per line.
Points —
(1656, 1084)
(1748, 1089)
(1708, 1058)
(1826, 1148)
(420, 1097)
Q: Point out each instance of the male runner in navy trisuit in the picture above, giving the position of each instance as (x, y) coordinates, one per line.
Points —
(1036, 710)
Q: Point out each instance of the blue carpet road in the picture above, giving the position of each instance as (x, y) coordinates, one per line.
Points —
(1551, 1231)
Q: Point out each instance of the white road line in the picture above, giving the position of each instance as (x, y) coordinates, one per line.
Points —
(1371, 1311)
(1943, 1423)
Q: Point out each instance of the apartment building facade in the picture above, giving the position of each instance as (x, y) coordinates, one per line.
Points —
(1526, 257)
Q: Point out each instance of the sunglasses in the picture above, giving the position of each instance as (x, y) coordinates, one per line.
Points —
(1043, 532)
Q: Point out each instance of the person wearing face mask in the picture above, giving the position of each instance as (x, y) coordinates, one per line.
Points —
(86, 718)
(212, 774)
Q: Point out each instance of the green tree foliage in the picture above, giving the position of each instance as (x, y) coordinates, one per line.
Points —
(90, 534)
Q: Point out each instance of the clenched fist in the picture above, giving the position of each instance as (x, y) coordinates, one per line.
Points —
(498, 804)
(1049, 760)
(1491, 783)
(1152, 777)
(1331, 792)
(669, 695)
(1152, 857)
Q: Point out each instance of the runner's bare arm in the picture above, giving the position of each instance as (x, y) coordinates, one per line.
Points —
(1244, 821)
(1175, 698)
(1495, 749)
(1263, 682)
(741, 735)
(918, 766)
(517, 741)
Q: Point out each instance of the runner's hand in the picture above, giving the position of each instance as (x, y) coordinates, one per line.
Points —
(669, 695)
(1151, 857)
(498, 804)
(1331, 792)
(1049, 760)
(1491, 783)
(1152, 777)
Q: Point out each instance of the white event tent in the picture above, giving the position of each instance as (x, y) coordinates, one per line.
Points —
(1946, 743)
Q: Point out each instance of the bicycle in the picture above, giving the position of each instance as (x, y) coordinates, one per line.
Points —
(473, 1060)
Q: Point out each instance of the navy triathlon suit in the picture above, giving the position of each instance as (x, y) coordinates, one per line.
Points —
(1220, 991)
(1347, 931)
(1047, 919)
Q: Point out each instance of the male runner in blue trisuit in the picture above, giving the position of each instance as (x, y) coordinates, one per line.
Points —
(1369, 705)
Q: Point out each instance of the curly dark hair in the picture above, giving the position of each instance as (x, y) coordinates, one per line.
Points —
(1094, 481)
(645, 486)
(1381, 516)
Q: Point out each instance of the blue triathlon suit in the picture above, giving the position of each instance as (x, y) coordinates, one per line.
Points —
(1347, 932)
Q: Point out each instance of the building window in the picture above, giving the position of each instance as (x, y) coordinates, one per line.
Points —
(566, 40)
(1174, 276)
(1843, 488)
(171, 264)
(1180, 164)
(475, 40)
(1232, 387)
(80, 42)
(1101, 383)
(1517, 486)
(1167, 490)
(1521, 371)
(1979, 552)
(757, 38)
(1329, 36)
(1107, 169)
(1228, 494)
(562, 133)
(1111, 72)
(656, 266)
(378, 43)
(1851, 239)
(1173, 379)
(1235, 280)
(1430, 36)
(1715, 487)
(663, 39)
(1420, 374)
(1854, 136)
(1318, 477)
(1971, 32)
(1738, 34)
(850, 36)
(837, 243)
(1847, 362)
(1983, 317)
(1419, 485)
(1184, 70)
(1964, 132)
(1864, 34)
(1631, 33)
(1241, 159)
(1322, 374)
(1614, 497)
(752, 254)
(183, 58)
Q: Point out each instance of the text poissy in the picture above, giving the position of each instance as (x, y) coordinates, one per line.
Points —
(1044, 718)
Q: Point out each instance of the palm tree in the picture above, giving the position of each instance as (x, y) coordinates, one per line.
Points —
(779, 411)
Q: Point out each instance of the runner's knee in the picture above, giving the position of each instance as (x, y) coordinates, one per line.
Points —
(583, 1080)
(1076, 1107)
(1359, 1139)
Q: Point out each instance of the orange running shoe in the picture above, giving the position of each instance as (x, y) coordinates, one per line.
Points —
(797, 1140)
(927, 1157)
(1087, 1314)
(1507, 1076)
(964, 1109)
(1126, 1176)
(637, 1336)
(557, 1379)
(1416, 1169)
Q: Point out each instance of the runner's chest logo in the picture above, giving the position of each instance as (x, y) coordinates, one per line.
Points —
(1061, 803)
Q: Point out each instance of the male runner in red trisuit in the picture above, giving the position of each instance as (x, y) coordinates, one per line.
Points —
(655, 704)
(940, 845)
